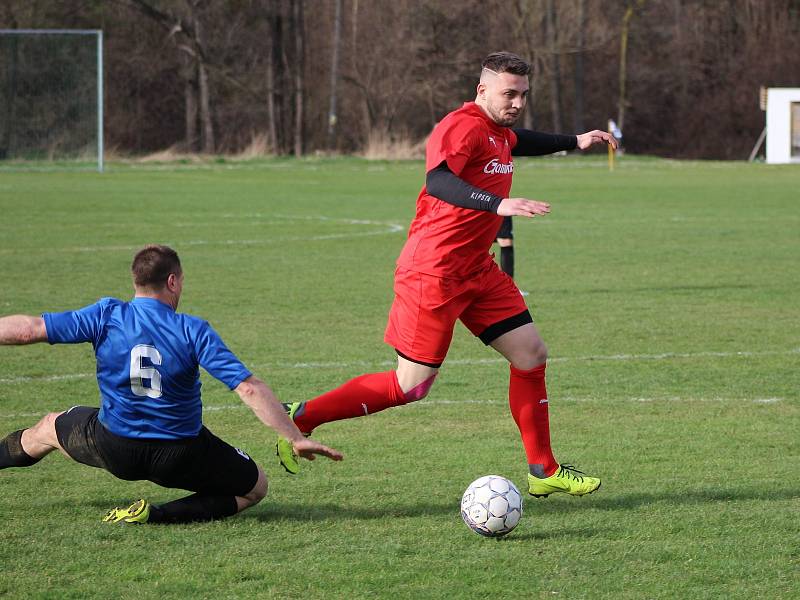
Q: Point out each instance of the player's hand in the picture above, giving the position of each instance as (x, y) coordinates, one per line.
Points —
(585, 140)
(522, 207)
(308, 449)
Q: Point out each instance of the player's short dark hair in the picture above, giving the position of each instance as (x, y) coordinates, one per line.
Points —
(153, 264)
(506, 62)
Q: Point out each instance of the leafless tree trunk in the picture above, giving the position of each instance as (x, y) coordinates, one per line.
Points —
(272, 127)
(337, 38)
(299, 44)
(8, 142)
(202, 83)
(524, 28)
(205, 109)
(555, 67)
(622, 100)
(280, 70)
(354, 18)
(578, 109)
(189, 73)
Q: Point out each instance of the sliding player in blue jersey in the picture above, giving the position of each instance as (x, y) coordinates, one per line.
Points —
(149, 424)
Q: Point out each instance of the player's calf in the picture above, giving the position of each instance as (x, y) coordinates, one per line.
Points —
(41, 439)
(26, 447)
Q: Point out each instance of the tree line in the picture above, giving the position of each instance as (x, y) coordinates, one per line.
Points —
(293, 77)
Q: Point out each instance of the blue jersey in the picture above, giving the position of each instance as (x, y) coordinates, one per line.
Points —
(147, 364)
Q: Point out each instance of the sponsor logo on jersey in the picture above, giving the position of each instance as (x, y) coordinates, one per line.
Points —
(495, 167)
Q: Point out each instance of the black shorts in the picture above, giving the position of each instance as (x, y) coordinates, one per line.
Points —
(505, 229)
(202, 464)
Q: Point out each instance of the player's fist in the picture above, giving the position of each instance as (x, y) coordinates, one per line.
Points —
(522, 207)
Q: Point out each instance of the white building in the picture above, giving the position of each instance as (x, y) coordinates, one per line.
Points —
(783, 125)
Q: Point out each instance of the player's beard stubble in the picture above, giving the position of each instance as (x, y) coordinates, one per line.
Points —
(503, 117)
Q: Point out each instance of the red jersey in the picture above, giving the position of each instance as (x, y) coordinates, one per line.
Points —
(446, 240)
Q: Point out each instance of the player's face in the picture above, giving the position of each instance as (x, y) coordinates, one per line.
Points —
(503, 96)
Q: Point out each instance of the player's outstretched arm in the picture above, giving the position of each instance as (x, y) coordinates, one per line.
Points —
(262, 401)
(596, 136)
(22, 329)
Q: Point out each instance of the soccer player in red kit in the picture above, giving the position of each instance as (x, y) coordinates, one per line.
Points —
(445, 272)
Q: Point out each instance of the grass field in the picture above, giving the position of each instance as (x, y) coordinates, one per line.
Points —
(668, 293)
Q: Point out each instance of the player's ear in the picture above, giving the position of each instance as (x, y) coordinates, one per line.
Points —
(481, 90)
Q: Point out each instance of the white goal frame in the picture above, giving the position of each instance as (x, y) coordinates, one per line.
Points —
(98, 33)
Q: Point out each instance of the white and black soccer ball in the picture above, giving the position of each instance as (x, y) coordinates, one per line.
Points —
(491, 506)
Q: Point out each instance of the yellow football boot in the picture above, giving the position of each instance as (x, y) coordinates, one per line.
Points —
(566, 479)
(138, 513)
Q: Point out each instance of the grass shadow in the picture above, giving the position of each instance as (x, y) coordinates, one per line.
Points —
(605, 500)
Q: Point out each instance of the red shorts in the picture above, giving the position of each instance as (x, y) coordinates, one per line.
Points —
(425, 310)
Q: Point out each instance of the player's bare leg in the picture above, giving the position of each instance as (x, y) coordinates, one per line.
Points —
(527, 354)
(41, 439)
(523, 347)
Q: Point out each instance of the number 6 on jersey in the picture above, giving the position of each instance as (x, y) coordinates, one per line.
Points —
(139, 372)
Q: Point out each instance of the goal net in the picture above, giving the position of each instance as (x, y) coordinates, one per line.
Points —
(51, 97)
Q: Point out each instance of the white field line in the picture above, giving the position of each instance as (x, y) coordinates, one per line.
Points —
(454, 362)
(431, 402)
(382, 228)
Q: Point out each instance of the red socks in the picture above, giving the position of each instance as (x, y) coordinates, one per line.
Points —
(527, 397)
(368, 394)
(364, 395)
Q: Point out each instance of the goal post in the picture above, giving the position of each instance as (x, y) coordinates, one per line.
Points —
(51, 96)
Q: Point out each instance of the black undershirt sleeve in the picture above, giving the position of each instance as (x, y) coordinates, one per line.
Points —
(445, 185)
(536, 143)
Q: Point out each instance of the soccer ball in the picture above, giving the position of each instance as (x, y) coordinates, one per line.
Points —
(491, 506)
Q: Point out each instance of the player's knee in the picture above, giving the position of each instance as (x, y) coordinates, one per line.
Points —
(419, 391)
(540, 352)
(533, 356)
(259, 491)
